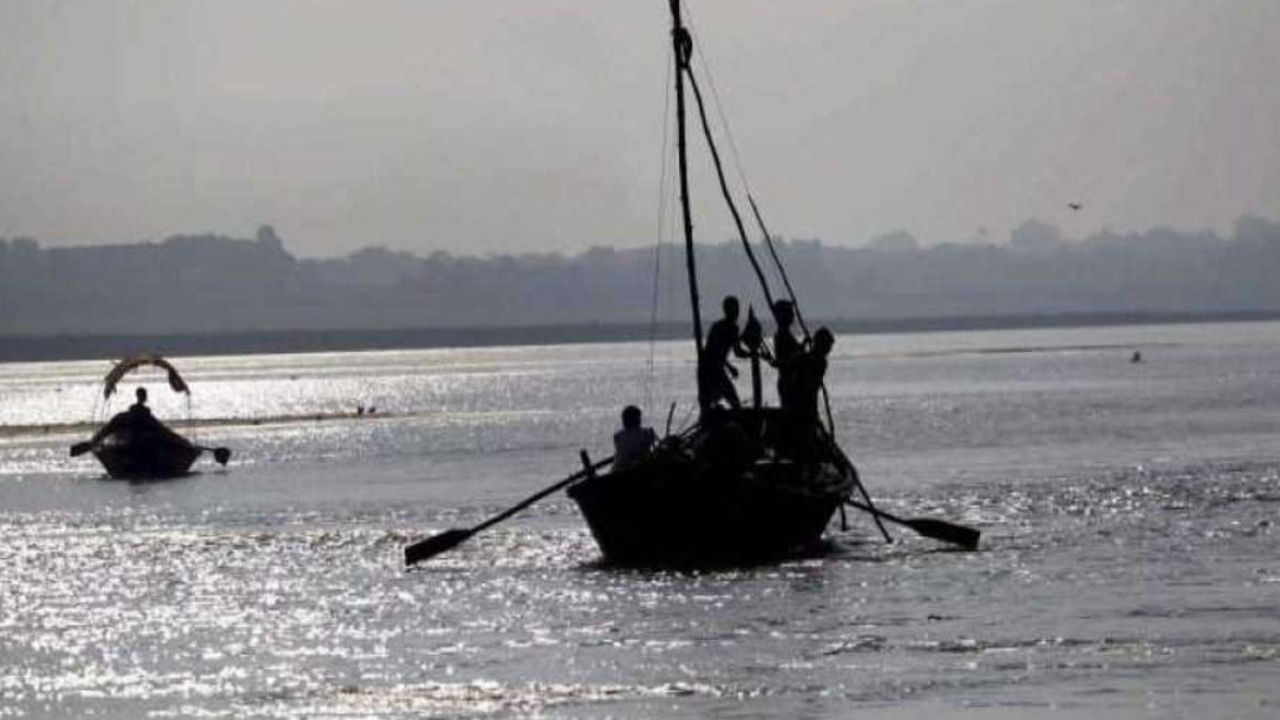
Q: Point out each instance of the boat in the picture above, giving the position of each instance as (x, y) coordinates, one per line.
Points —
(134, 445)
(742, 485)
(129, 459)
(721, 493)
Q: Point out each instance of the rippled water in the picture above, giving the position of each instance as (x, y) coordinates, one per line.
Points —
(1128, 569)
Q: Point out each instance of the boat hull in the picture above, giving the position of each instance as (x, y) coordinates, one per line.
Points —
(147, 459)
(675, 512)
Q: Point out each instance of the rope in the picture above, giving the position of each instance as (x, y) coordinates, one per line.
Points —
(742, 176)
(715, 97)
(738, 164)
(782, 271)
(724, 189)
(657, 251)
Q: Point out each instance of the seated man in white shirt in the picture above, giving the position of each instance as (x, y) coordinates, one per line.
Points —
(632, 443)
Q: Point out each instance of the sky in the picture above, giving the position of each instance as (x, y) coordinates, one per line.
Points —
(506, 126)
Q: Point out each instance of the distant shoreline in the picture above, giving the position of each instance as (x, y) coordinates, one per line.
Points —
(35, 348)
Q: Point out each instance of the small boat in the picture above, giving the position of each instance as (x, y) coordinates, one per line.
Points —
(125, 457)
(133, 444)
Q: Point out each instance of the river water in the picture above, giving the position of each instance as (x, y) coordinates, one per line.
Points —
(1128, 565)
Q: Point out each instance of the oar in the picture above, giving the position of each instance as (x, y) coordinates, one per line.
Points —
(449, 539)
(965, 537)
(220, 454)
(81, 448)
(857, 481)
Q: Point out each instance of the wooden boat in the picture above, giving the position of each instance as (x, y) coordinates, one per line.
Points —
(743, 485)
(722, 494)
(133, 444)
(127, 457)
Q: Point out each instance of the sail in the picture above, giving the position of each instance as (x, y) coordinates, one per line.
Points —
(129, 364)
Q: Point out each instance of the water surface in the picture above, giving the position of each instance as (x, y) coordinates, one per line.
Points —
(1128, 566)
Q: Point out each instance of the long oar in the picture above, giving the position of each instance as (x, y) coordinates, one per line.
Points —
(857, 481)
(965, 537)
(826, 397)
(449, 539)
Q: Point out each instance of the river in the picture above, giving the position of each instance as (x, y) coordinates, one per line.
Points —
(1128, 566)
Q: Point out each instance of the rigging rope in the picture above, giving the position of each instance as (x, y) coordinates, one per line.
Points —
(742, 233)
(782, 271)
(715, 97)
(657, 251)
(724, 188)
(742, 177)
(738, 164)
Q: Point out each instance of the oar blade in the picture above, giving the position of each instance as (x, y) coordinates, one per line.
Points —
(434, 545)
(965, 537)
(221, 455)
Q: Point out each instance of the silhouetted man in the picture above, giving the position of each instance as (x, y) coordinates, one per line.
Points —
(139, 407)
(811, 371)
(633, 442)
(787, 352)
(714, 383)
(137, 422)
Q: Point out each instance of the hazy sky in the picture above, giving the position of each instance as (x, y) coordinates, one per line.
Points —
(486, 126)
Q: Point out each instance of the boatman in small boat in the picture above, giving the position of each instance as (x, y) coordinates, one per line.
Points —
(714, 383)
(137, 421)
(633, 442)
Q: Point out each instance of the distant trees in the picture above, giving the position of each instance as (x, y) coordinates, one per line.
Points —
(211, 282)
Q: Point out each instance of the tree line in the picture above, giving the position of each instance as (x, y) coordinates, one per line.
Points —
(211, 283)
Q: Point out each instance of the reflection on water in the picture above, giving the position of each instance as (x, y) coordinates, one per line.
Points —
(1127, 567)
(1112, 584)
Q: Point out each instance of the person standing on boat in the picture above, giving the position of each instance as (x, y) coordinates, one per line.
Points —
(633, 442)
(714, 383)
(811, 370)
(787, 353)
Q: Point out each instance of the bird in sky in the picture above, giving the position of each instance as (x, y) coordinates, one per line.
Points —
(1075, 206)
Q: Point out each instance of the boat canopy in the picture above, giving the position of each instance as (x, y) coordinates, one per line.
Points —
(129, 364)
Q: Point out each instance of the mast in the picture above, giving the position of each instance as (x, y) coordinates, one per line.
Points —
(683, 46)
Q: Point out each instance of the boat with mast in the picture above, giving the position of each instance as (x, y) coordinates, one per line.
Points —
(742, 485)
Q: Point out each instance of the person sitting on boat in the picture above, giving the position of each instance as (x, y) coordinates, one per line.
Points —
(136, 422)
(787, 352)
(811, 370)
(633, 442)
(714, 383)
